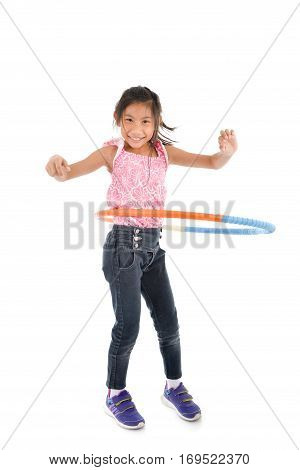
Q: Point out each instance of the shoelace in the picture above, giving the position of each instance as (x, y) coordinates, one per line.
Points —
(186, 399)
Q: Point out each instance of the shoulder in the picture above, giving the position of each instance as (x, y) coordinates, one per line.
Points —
(114, 142)
(108, 152)
(109, 149)
(162, 149)
(169, 149)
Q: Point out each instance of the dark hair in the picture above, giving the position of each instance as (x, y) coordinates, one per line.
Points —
(142, 94)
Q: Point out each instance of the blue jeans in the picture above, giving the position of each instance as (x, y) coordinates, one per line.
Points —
(133, 263)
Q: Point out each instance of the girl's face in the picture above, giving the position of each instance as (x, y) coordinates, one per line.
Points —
(137, 125)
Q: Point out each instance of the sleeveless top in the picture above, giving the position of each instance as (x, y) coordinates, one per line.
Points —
(129, 187)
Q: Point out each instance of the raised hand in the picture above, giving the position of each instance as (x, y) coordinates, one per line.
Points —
(227, 142)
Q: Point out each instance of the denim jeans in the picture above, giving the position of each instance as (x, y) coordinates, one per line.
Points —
(133, 263)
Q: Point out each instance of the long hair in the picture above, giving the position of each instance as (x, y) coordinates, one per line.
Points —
(142, 94)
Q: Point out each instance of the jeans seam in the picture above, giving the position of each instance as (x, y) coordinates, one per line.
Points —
(119, 302)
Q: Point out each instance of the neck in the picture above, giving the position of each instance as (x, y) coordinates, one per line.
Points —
(148, 147)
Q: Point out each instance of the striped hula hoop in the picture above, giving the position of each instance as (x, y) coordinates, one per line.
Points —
(260, 227)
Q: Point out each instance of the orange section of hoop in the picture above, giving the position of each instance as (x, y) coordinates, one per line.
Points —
(162, 213)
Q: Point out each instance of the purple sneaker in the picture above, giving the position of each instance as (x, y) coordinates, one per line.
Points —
(180, 400)
(124, 411)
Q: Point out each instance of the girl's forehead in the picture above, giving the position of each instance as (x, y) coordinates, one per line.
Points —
(138, 110)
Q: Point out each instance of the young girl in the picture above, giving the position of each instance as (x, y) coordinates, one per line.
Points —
(133, 261)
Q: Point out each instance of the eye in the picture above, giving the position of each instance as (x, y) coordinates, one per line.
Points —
(129, 119)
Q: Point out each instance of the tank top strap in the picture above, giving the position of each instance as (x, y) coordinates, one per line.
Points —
(162, 151)
(118, 141)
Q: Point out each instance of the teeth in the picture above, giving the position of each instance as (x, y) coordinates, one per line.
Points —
(135, 139)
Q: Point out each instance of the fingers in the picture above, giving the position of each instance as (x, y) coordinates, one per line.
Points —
(227, 133)
(225, 137)
(62, 168)
(222, 143)
(57, 166)
(50, 169)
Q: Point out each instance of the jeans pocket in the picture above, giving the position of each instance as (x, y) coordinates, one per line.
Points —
(150, 258)
(125, 258)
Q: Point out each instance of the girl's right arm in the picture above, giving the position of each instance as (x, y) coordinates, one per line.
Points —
(58, 167)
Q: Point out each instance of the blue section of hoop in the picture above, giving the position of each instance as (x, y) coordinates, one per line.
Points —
(260, 226)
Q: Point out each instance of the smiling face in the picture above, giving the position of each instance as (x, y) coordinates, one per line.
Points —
(137, 125)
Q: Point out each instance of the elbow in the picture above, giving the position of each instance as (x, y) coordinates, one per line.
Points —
(217, 164)
(214, 164)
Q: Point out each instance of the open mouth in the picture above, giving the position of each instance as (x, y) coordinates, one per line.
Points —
(136, 140)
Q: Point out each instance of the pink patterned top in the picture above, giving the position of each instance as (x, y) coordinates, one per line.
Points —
(129, 187)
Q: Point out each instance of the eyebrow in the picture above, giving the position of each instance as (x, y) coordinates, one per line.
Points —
(142, 118)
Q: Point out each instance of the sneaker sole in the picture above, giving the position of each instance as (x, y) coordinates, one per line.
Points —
(166, 402)
(138, 426)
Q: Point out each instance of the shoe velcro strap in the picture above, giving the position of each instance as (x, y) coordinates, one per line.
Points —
(123, 399)
(128, 407)
(183, 391)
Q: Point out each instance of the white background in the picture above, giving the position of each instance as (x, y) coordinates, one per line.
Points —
(64, 65)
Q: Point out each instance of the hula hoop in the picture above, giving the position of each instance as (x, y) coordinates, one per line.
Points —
(261, 227)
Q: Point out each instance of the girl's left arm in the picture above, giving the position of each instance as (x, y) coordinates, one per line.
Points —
(227, 144)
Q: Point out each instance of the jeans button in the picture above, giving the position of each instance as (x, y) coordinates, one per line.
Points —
(137, 230)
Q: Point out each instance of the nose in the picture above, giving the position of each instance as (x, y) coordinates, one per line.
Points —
(136, 126)
(136, 134)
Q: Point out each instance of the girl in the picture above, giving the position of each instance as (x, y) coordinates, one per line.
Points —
(133, 261)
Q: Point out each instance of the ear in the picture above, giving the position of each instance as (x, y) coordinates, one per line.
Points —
(115, 118)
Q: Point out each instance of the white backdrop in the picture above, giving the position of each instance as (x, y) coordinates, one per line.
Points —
(215, 65)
